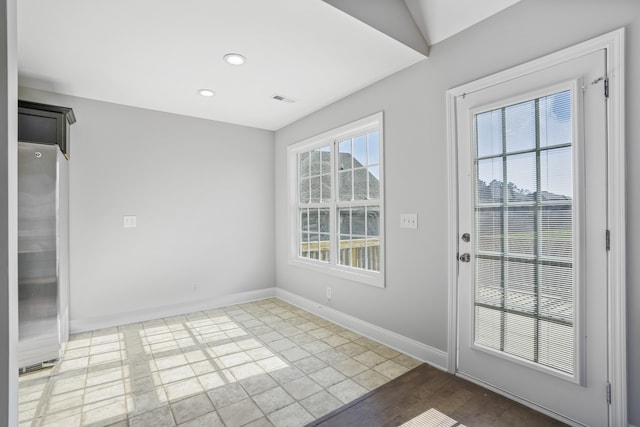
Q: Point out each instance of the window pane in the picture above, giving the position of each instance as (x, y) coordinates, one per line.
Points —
(314, 248)
(345, 184)
(326, 159)
(345, 158)
(324, 220)
(315, 162)
(344, 251)
(521, 228)
(519, 287)
(326, 188)
(344, 224)
(373, 254)
(304, 219)
(360, 151)
(313, 220)
(521, 176)
(374, 148)
(360, 184)
(520, 126)
(489, 133)
(556, 178)
(556, 346)
(489, 229)
(345, 162)
(490, 181)
(555, 119)
(304, 190)
(488, 331)
(304, 247)
(303, 164)
(519, 334)
(374, 182)
(489, 289)
(373, 221)
(358, 221)
(316, 185)
(556, 231)
(557, 292)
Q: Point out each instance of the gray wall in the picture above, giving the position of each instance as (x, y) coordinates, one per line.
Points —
(8, 215)
(203, 193)
(414, 303)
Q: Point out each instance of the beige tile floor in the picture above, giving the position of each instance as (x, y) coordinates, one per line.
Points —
(265, 363)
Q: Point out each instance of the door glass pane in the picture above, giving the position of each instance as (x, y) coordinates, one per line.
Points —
(489, 133)
(555, 119)
(521, 177)
(490, 228)
(556, 178)
(524, 275)
(490, 182)
(520, 126)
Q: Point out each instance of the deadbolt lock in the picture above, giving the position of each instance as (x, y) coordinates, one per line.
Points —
(466, 237)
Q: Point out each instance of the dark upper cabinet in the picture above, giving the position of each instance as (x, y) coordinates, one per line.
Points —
(45, 124)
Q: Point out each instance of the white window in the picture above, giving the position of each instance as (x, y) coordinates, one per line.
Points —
(336, 200)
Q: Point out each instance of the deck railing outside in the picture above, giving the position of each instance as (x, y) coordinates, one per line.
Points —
(358, 253)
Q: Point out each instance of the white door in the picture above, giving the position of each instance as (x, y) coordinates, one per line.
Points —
(532, 280)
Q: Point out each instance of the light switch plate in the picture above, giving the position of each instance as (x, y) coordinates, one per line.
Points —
(129, 221)
(409, 221)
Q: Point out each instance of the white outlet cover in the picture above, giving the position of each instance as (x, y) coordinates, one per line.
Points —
(129, 221)
(409, 221)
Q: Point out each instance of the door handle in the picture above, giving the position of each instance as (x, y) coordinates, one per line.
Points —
(464, 257)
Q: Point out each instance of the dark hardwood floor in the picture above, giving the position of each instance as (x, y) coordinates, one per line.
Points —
(426, 387)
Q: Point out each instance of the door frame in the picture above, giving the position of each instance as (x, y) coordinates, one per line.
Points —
(613, 43)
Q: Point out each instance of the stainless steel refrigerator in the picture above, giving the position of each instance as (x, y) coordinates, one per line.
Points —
(42, 253)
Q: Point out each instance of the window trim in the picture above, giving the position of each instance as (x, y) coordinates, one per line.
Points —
(330, 137)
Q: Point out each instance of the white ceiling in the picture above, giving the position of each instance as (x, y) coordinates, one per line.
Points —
(156, 54)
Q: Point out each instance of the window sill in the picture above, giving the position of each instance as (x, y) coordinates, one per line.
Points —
(361, 276)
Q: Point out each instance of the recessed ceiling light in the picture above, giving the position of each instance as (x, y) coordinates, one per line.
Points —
(235, 59)
(206, 92)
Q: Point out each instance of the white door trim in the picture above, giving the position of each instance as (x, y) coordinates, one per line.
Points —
(613, 42)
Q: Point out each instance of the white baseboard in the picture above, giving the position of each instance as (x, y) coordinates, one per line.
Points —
(411, 347)
(93, 323)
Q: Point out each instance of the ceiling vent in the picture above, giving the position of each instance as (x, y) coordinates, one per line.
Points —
(283, 99)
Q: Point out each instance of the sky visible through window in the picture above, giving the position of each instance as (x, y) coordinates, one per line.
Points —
(554, 127)
(361, 145)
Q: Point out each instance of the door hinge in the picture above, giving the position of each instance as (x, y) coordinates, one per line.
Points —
(609, 393)
(606, 88)
(608, 240)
